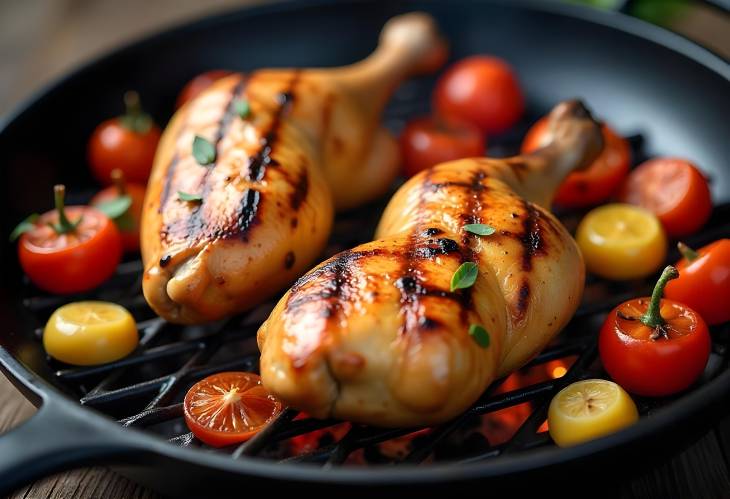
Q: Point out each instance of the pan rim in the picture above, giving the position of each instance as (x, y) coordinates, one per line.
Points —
(681, 409)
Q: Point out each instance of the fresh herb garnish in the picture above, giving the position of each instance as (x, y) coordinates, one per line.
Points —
(465, 276)
(203, 151)
(479, 335)
(480, 229)
(191, 198)
(26, 225)
(115, 208)
(242, 108)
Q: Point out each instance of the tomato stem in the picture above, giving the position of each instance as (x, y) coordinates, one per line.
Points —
(117, 176)
(687, 252)
(64, 225)
(135, 118)
(653, 317)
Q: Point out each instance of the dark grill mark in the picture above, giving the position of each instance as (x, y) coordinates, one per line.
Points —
(435, 247)
(524, 297)
(165, 260)
(168, 180)
(431, 232)
(301, 188)
(289, 260)
(249, 209)
(532, 241)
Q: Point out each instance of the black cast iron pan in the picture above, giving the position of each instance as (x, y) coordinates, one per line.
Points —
(645, 81)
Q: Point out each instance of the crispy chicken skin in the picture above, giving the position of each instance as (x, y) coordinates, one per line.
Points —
(374, 334)
(311, 144)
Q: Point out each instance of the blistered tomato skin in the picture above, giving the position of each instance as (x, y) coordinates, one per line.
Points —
(90, 333)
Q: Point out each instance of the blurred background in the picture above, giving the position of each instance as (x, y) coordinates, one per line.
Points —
(42, 39)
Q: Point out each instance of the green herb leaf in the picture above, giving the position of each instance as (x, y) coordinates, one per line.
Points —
(465, 276)
(115, 208)
(24, 226)
(191, 198)
(203, 150)
(479, 335)
(242, 109)
(480, 229)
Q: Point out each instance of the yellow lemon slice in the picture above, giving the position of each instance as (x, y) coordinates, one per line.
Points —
(87, 333)
(621, 241)
(589, 409)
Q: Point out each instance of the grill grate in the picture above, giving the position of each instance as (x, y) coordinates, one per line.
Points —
(145, 390)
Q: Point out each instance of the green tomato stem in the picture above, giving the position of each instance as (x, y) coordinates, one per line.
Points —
(117, 176)
(653, 317)
(64, 225)
(687, 252)
(132, 104)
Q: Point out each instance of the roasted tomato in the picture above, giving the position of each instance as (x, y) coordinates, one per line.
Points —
(480, 90)
(673, 189)
(123, 203)
(127, 142)
(68, 250)
(589, 409)
(228, 408)
(704, 281)
(426, 142)
(621, 242)
(194, 87)
(594, 184)
(87, 333)
(654, 347)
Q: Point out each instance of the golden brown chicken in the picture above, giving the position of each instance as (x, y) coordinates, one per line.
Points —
(223, 231)
(375, 335)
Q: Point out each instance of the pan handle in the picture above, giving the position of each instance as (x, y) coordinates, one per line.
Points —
(51, 441)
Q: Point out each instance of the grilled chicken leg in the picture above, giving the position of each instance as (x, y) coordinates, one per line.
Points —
(310, 142)
(374, 334)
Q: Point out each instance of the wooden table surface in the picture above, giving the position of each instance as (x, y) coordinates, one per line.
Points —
(58, 34)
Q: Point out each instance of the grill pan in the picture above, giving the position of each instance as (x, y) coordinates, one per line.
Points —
(670, 96)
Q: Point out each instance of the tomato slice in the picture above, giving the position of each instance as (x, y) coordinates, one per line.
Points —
(673, 189)
(228, 408)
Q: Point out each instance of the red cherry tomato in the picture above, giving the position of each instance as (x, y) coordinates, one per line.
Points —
(228, 408)
(674, 190)
(127, 142)
(654, 347)
(480, 90)
(426, 142)
(596, 183)
(80, 252)
(128, 220)
(195, 86)
(704, 281)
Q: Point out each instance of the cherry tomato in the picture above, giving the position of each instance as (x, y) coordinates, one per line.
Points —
(426, 142)
(621, 242)
(594, 184)
(123, 203)
(589, 409)
(654, 347)
(675, 190)
(88, 333)
(69, 249)
(704, 281)
(480, 90)
(127, 142)
(195, 86)
(228, 408)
